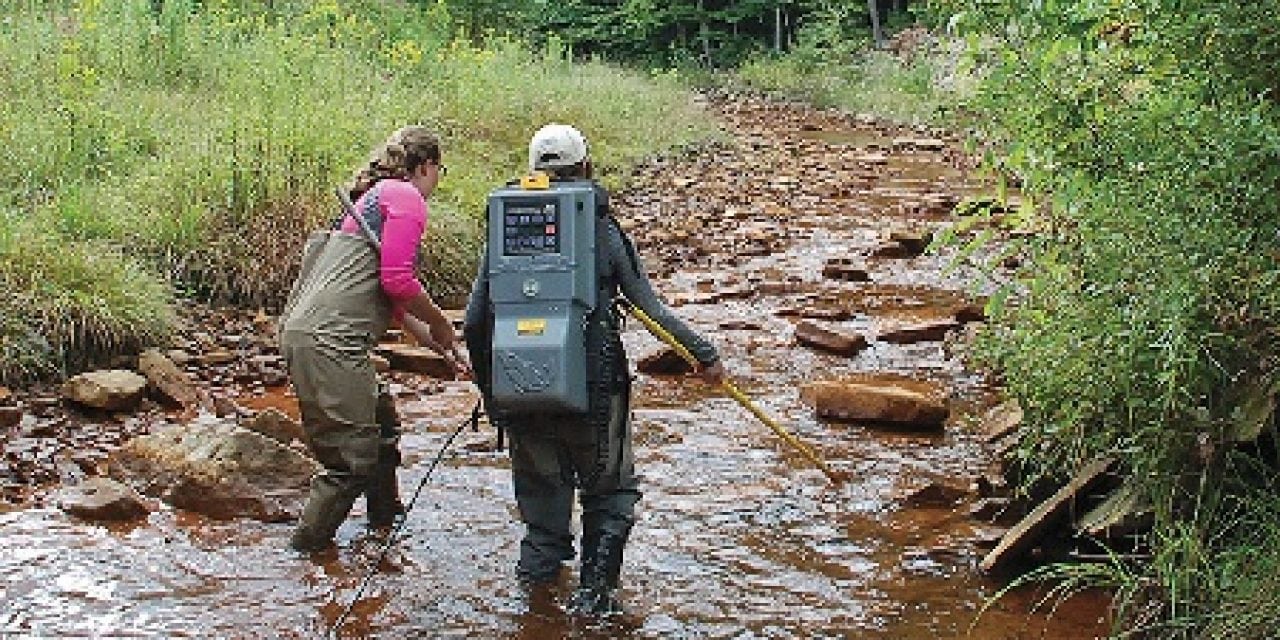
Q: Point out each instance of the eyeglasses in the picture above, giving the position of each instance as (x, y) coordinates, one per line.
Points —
(444, 171)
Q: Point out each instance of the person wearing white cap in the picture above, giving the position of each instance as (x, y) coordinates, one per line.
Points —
(554, 455)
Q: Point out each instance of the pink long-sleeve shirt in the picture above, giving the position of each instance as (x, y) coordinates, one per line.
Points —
(404, 218)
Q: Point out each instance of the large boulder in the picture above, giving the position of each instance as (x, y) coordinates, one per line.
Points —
(217, 468)
(102, 499)
(109, 389)
(877, 401)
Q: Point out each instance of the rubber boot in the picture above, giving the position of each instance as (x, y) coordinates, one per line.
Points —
(383, 496)
(602, 548)
(332, 496)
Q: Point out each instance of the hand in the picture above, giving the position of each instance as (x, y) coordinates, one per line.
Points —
(713, 374)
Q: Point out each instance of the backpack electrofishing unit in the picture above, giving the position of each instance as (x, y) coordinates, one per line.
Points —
(543, 286)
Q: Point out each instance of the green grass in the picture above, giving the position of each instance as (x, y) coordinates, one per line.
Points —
(206, 142)
(834, 65)
(69, 302)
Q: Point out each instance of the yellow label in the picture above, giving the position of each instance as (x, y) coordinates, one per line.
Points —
(531, 326)
(536, 180)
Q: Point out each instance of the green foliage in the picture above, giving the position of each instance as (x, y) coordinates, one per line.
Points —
(207, 137)
(679, 33)
(68, 303)
(869, 82)
(1145, 324)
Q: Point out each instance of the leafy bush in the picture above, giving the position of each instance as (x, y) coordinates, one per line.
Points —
(1145, 324)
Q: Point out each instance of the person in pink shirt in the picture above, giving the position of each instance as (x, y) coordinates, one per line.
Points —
(354, 281)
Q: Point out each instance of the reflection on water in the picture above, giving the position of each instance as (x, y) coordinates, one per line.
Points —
(736, 538)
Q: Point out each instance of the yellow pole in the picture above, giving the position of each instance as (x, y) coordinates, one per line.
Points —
(737, 394)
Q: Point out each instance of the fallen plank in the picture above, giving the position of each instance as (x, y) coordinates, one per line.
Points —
(1124, 512)
(1024, 535)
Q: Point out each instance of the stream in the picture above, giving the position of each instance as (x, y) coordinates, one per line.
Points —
(737, 536)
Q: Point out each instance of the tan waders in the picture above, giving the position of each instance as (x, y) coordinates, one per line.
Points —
(550, 456)
(335, 314)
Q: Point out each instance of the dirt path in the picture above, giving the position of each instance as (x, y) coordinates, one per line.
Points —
(737, 537)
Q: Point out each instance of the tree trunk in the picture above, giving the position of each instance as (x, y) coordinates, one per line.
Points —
(704, 34)
(777, 26)
(875, 21)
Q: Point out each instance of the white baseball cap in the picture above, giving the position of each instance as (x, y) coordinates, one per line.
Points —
(556, 145)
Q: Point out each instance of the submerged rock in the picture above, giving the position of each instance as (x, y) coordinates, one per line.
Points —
(663, 362)
(10, 417)
(102, 499)
(109, 389)
(219, 469)
(936, 494)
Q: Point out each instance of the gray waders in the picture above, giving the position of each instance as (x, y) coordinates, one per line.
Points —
(551, 456)
(334, 316)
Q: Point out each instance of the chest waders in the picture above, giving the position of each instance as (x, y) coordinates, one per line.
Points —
(334, 316)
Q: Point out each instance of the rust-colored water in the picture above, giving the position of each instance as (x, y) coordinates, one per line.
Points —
(738, 537)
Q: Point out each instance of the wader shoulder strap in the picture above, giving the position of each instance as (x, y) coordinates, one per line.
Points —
(369, 220)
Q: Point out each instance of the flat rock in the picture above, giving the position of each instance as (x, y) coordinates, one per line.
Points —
(102, 499)
(215, 467)
(216, 357)
(179, 357)
(1001, 420)
(931, 331)
(971, 313)
(170, 384)
(828, 339)
(880, 401)
(892, 251)
(413, 359)
(274, 424)
(109, 389)
(741, 325)
(923, 144)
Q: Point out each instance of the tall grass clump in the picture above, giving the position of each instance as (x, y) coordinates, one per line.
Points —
(1144, 326)
(206, 138)
(67, 304)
